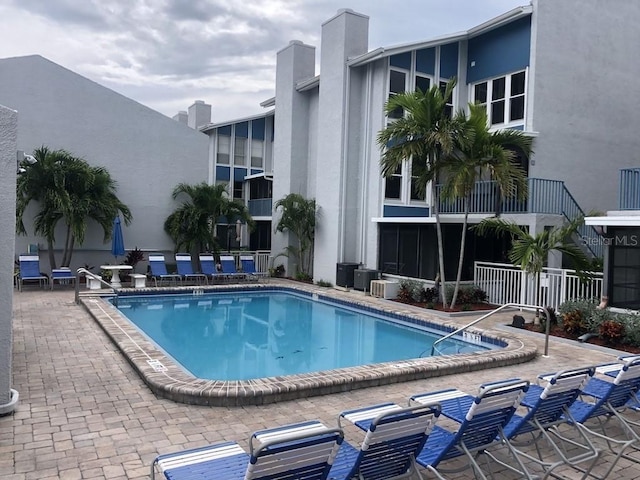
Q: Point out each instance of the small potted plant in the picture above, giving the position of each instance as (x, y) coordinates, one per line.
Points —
(134, 257)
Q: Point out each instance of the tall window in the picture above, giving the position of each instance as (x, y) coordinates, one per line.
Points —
(238, 190)
(448, 109)
(257, 153)
(422, 83)
(224, 143)
(417, 169)
(393, 185)
(397, 84)
(240, 151)
(503, 97)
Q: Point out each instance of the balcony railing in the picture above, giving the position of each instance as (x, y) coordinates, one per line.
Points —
(543, 196)
(630, 189)
(260, 207)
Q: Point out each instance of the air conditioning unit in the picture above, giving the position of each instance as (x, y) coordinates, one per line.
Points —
(387, 289)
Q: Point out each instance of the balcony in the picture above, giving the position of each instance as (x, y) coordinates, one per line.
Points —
(543, 196)
(629, 189)
(261, 207)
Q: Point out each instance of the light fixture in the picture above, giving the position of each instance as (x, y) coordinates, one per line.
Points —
(22, 160)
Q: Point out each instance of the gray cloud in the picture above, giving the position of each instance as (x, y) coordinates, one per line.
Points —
(158, 51)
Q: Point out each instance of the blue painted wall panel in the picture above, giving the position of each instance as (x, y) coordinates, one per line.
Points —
(223, 173)
(402, 60)
(449, 60)
(503, 50)
(239, 174)
(255, 170)
(226, 130)
(404, 211)
(426, 61)
(242, 129)
(257, 129)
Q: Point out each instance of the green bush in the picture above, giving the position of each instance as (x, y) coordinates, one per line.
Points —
(631, 322)
(324, 283)
(410, 290)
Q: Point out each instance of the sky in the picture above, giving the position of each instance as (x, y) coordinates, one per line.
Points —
(166, 54)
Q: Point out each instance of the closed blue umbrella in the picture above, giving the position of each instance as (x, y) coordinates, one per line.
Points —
(117, 242)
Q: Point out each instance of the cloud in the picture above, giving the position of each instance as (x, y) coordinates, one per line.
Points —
(164, 52)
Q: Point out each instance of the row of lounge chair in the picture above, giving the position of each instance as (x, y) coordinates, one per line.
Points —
(225, 271)
(567, 417)
(29, 270)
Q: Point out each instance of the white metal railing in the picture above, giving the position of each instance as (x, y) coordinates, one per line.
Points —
(506, 283)
(261, 258)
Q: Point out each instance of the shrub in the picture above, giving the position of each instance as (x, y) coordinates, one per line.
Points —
(277, 271)
(429, 295)
(134, 257)
(573, 322)
(410, 291)
(583, 305)
(596, 319)
(631, 322)
(468, 294)
(612, 331)
(324, 283)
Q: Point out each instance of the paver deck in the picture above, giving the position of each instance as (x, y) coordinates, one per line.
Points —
(84, 413)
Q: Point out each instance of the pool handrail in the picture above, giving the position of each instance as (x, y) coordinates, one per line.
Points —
(521, 306)
(83, 271)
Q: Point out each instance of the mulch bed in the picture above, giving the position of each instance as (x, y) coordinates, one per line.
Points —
(558, 331)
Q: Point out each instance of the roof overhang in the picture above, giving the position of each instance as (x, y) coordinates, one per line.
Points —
(213, 126)
(492, 24)
(614, 221)
(265, 175)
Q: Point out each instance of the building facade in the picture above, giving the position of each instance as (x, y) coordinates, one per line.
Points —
(542, 68)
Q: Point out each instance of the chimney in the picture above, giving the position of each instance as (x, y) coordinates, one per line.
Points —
(181, 117)
(199, 114)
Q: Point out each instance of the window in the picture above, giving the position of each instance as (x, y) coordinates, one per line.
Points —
(239, 152)
(397, 84)
(504, 98)
(256, 153)
(238, 190)
(417, 170)
(449, 107)
(422, 83)
(224, 143)
(393, 185)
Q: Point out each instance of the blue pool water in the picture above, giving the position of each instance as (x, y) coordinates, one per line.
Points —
(256, 334)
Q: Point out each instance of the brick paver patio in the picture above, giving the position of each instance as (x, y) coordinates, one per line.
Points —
(85, 414)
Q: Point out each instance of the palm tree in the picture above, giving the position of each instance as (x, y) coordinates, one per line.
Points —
(482, 152)
(426, 134)
(193, 224)
(67, 189)
(531, 252)
(299, 217)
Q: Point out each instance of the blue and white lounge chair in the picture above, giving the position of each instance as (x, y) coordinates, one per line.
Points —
(601, 404)
(30, 271)
(185, 269)
(394, 437)
(209, 267)
(159, 271)
(249, 268)
(228, 263)
(480, 418)
(64, 276)
(303, 450)
(546, 409)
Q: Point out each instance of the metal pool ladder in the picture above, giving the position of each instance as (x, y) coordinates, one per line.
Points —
(546, 310)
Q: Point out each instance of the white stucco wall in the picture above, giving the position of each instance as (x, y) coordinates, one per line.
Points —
(147, 153)
(344, 35)
(585, 78)
(295, 62)
(8, 147)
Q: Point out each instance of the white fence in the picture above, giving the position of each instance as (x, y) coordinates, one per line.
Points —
(506, 283)
(261, 258)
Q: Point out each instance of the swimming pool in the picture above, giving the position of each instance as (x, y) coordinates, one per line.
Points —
(271, 333)
(167, 379)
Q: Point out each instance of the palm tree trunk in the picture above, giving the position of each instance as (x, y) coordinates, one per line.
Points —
(65, 253)
(436, 209)
(68, 251)
(462, 247)
(52, 257)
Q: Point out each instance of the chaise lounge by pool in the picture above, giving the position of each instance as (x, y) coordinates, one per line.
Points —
(242, 345)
